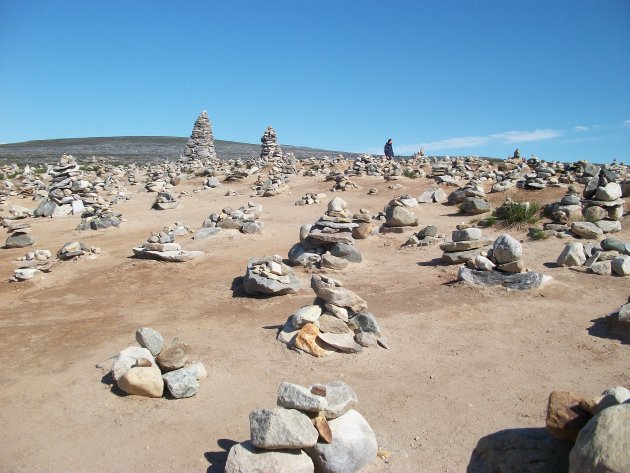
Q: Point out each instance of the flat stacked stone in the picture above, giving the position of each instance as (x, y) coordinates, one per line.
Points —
(398, 213)
(246, 219)
(425, 237)
(603, 203)
(567, 209)
(270, 276)
(200, 145)
(76, 249)
(339, 321)
(32, 264)
(161, 246)
(66, 190)
(312, 429)
(273, 184)
(270, 150)
(164, 201)
(467, 243)
(310, 198)
(334, 232)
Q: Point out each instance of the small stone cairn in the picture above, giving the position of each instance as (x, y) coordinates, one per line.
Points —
(270, 149)
(599, 427)
(310, 198)
(426, 237)
(335, 232)
(245, 220)
(164, 201)
(602, 202)
(200, 145)
(506, 256)
(19, 234)
(66, 190)
(312, 429)
(32, 264)
(567, 210)
(144, 370)
(99, 218)
(607, 257)
(398, 214)
(274, 184)
(161, 246)
(338, 322)
(75, 249)
(270, 276)
(467, 243)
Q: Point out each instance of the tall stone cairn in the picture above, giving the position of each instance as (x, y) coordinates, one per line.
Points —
(201, 142)
(270, 148)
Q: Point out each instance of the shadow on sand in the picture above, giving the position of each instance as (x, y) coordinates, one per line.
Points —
(217, 459)
(527, 450)
(610, 327)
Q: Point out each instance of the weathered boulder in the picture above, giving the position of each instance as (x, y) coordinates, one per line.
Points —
(181, 383)
(515, 281)
(506, 249)
(332, 292)
(586, 230)
(280, 428)
(150, 339)
(572, 255)
(174, 356)
(399, 216)
(565, 417)
(293, 396)
(19, 240)
(352, 448)
(268, 283)
(142, 381)
(474, 206)
(603, 445)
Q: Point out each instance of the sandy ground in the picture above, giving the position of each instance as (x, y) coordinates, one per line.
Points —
(464, 362)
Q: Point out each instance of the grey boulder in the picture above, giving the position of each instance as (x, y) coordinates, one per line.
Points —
(398, 216)
(280, 428)
(150, 339)
(181, 383)
(340, 397)
(246, 458)
(515, 281)
(293, 396)
(506, 249)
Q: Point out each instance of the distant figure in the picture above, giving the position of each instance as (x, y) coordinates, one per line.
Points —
(389, 149)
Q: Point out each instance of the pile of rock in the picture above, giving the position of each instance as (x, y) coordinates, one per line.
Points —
(567, 209)
(334, 232)
(270, 150)
(607, 257)
(342, 183)
(398, 215)
(312, 429)
(600, 428)
(76, 249)
(425, 237)
(164, 201)
(66, 190)
(542, 176)
(434, 194)
(200, 145)
(474, 206)
(338, 322)
(273, 185)
(270, 276)
(31, 264)
(467, 243)
(602, 202)
(245, 219)
(473, 189)
(144, 370)
(19, 234)
(161, 246)
(310, 198)
(99, 218)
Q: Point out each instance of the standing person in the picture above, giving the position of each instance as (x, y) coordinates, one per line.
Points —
(389, 149)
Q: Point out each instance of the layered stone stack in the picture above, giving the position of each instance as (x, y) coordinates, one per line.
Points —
(161, 246)
(602, 202)
(144, 370)
(310, 198)
(425, 237)
(164, 201)
(97, 218)
(66, 190)
(542, 176)
(599, 427)
(245, 220)
(607, 257)
(338, 322)
(334, 232)
(312, 429)
(31, 264)
(270, 276)
(19, 235)
(567, 209)
(270, 186)
(467, 243)
(270, 150)
(398, 213)
(341, 183)
(76, 249)
(200, 145)
(471, 189)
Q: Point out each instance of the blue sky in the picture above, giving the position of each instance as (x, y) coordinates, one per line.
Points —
(456, 77)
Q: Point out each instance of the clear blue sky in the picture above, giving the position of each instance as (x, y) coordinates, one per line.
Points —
(457, 77)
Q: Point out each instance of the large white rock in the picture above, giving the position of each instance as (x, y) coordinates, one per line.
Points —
(572, 255)
(353, 445)
(306, 315)
(506, 249)
(127, 358)
(339, 395)
(621, 265)
(603, 444)
(280, 428)
(246, 458)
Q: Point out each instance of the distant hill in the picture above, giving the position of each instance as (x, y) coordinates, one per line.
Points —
(121, 149)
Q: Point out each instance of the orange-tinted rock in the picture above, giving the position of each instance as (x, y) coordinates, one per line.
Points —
(565, 417)
(321, 424)
(306, 340)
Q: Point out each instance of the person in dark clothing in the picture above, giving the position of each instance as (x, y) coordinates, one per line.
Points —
(389, 149)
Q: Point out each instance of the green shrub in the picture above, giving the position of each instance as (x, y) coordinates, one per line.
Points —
(519, 214)
(410, 174)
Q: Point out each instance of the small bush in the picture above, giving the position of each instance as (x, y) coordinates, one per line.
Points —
(410, 174)
(519, 214)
